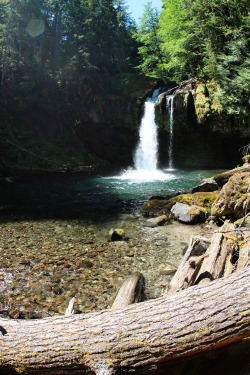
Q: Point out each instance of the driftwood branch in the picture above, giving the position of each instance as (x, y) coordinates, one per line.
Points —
(206, 260)
(70, 309)
(197, 319)
(29, 152)
(130, 291)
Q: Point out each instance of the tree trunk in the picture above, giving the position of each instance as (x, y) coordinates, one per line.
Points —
(197, 319)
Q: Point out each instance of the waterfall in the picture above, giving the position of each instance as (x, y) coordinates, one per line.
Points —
(146, 153)
(170, 107)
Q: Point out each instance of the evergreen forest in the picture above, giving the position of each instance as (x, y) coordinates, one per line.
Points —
(74, 73)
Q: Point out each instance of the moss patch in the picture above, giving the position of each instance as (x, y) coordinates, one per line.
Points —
(206, 102)
(160, 207)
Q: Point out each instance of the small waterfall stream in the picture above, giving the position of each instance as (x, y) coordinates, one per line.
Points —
(170, 107)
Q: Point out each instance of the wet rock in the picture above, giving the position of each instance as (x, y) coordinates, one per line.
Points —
(116, 234)
(234, 197)
(208, 184)
(86, 264)
(154, 222)
(93, 254)
(167, 271)
(188, 215)
(159, 197)
(57, 291)
(47, 273)
(25, 263)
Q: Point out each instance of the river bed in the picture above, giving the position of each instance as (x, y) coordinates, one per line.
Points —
(54, 242)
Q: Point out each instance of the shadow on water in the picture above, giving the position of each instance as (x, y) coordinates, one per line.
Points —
(58, 197)
(79, 197)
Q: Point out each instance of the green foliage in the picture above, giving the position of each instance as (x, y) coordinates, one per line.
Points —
(204, 38)
(149, 43)
(234, 73)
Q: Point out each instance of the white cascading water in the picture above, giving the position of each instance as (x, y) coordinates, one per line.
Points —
(146, 153)
(170, 107)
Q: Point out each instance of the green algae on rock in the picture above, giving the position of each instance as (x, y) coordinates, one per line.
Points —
(157, 207)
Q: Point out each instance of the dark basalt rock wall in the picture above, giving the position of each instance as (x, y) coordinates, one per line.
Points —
(204, 136)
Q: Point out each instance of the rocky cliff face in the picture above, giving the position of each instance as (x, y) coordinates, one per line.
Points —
(203, 134)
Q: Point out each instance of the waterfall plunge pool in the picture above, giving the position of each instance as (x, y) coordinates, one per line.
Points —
(94, 199)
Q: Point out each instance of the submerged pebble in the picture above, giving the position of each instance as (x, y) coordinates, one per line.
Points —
(62, 262)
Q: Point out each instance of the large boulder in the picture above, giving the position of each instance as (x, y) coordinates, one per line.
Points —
(208, 184)
(188, 215)
(234, 197)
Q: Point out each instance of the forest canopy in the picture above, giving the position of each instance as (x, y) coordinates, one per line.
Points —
(204, 38)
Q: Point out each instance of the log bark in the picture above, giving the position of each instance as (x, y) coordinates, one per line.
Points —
(197, 319)
(130, 291)
(222, 178)
(244, 253)
(213, 266)
(190, 265)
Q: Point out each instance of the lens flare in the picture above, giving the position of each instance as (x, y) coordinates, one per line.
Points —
(35, 27)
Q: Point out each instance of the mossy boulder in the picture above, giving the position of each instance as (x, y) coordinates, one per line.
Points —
(234, 197)
(157, 207)
(244, 221)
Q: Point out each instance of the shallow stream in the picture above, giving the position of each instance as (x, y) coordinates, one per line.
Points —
(54, 241)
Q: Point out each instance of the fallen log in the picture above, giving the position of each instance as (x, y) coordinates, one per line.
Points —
(221, 247)
(130, 291)
(244, 252)
(197, 319)
(189, 266)
(223, 178)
